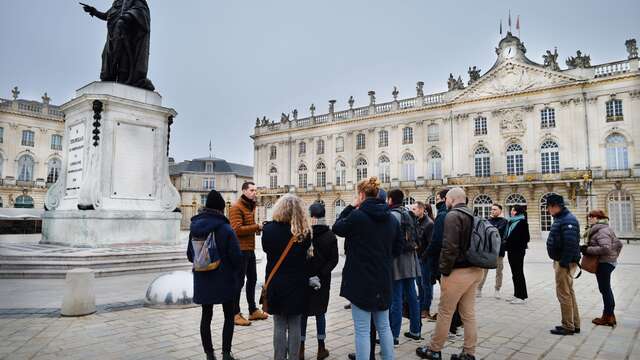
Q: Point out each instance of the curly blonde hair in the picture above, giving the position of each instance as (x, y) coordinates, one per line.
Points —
(370, 186)
(291, 209)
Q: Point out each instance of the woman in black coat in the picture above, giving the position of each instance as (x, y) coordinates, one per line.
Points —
(287, 292)
(517, 238)
(217, 286)
(324, 260)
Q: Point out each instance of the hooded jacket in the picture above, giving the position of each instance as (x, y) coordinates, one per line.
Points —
(372, 240)
(324, 260)
(455, 241)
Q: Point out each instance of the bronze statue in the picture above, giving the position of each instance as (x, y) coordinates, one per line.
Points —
(125, 58)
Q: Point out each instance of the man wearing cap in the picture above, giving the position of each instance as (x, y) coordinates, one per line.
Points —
(563, 246)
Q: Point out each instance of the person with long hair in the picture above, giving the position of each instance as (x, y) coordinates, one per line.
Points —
(372, 239)
(286, 293)
(517, 239)
(603, 243)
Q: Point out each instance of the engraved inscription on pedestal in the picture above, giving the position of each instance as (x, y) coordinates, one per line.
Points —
(133, 176)
(75, 159)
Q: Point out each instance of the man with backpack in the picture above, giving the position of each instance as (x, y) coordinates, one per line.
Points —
(460, 277)
(406, 268)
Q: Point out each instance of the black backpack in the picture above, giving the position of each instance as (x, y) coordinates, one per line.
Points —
(484, 244)
(408, 228)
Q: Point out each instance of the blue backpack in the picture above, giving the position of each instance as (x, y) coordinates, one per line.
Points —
(206, 256)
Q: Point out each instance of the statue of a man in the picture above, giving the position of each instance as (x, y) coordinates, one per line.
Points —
(125, 58)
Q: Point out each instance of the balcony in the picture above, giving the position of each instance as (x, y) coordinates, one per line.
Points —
(11, 181)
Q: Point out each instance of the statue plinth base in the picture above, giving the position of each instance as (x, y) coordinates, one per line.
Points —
(114, 185)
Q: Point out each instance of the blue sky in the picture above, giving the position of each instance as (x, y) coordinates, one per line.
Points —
(222, 64)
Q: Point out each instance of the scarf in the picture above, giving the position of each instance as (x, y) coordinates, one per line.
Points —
(250, 203)
(513, 222)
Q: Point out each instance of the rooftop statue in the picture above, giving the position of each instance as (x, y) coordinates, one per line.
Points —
(551, 60)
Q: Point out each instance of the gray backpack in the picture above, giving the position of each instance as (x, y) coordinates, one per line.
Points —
(484, 244)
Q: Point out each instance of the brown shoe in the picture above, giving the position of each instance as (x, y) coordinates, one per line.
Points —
(323, 353)
(239, 320)
(612, 320)
(258, 315)
(602, 320)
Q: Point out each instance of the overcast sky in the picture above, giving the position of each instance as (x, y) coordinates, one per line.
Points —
(221, 64)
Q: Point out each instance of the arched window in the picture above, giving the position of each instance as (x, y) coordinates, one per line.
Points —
(361, 142)
(545, 218)
(408, 167)
(620, 208)
(302, 148)
(512, 200)
(273, 177)
(53, 170)
(482, 205)
(617, 153)
(407, 135)
(480, 125)
(434, 166)
(383, 138)
(339, 206)
(302, 176)
(320, 147)
(321, 175)
(273, 152)
(384, 169)
(482, 162)
(269, 210)
(433, 132)
(547, 118)
(408, 200)
(361, 169)
(24, 201)
(339, 144)
(514, 159)
(341, 173)
(614, 110)
(550, 157)
(25, 168)
(431, 201)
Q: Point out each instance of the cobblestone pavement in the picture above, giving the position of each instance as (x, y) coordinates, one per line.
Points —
(129, 331)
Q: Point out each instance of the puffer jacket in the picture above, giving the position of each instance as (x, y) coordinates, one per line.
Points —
(603, 243)
(243, 222)
(563, 243)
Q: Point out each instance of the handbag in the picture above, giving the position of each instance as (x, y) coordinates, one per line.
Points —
(589, 263)
(263, 294)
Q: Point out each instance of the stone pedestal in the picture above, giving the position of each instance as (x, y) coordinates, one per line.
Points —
(114, 185)
(79, 295)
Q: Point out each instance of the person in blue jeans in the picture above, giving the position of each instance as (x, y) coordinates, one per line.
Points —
(372, 239)
(406, 269)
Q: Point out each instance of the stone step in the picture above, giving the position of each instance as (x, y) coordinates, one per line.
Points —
(104, 272)
(18, 263)
(85, 257)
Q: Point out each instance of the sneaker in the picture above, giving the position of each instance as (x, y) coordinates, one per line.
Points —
(258, 314)
(351, 356)
(347, 307)
(396, 342)
(228, 356)
(518, 301)
(509, 298)
(462, 356)
(411, 336)
(239, 320)
(496, 294)
(425, 353)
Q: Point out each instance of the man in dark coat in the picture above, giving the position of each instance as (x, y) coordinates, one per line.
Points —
(496, 219)
(563, 247)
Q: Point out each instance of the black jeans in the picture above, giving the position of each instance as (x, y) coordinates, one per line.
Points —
(227, 329)
(603, 275)
(516, 262)
(248, 269)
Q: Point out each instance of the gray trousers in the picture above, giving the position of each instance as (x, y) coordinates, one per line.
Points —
(286, 336)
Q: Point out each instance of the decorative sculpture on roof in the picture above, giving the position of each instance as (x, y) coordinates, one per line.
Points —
(454, 84)
(420, 89)
(351, 102)
(579, 61)
(15, 92)
(46, 99)
(284, 118)
(258, 121)
(332, 106)
(632, 48)
(395, 93)
(372, 97)
(551, 60)
(312, 108)
(265, 121)
(295, 114)
(474, 74)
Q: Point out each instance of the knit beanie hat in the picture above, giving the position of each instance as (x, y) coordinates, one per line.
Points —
(382, 195)
(555, 199)
(316, 210)
(215, 201)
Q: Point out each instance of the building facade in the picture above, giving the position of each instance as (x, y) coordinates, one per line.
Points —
(511, 135)
(195, 178)
(30, 150)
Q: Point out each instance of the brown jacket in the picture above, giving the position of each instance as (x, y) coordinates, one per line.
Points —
(603, 243)
(455, 239)
(243, 222)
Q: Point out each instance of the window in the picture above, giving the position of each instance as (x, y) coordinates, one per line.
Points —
(482, 206)
(1, 135)
(482, 162)
(209, 183)
(361, 169)
(433, 132)
(320, 147)
(434, 166)
(547, 118)
(384, 169)
(339, 144)
(620, 206)
(302, 148)
(269, 210)
(407, 135)
(550, 157)
(273, 152)
(208, 167)
(408, 167)
(408, 200)
(23, 201)
(25, 168)
(360, 142)
(273, 177)
(339, 206)
(617, 153)
(514, 160)
(341, 173)
(203, 200)
(545, 218)
(431, 201)
(614, 110)
(1, 165)
(53, 170)
(321, 175)
(383, 138)
(28, 138)
(511, 201)
(302, 176)
(56, 142)
(480, 125)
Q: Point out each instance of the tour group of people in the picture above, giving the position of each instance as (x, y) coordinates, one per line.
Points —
(394, 255)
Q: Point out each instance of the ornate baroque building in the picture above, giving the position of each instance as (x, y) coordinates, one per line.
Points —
(511, 135)
(30, 150)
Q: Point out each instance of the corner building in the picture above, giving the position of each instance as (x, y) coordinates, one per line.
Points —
(512, 135)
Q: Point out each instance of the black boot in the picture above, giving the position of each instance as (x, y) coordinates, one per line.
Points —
(211, 356)
(227, 356)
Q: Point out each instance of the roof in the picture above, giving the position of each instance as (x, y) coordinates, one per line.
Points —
(32, 106)
(20, 214)
(219, 166)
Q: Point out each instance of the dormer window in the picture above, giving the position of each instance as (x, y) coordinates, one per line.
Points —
(209, 167)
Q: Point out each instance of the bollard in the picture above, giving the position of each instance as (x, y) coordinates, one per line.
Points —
(79, 296)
